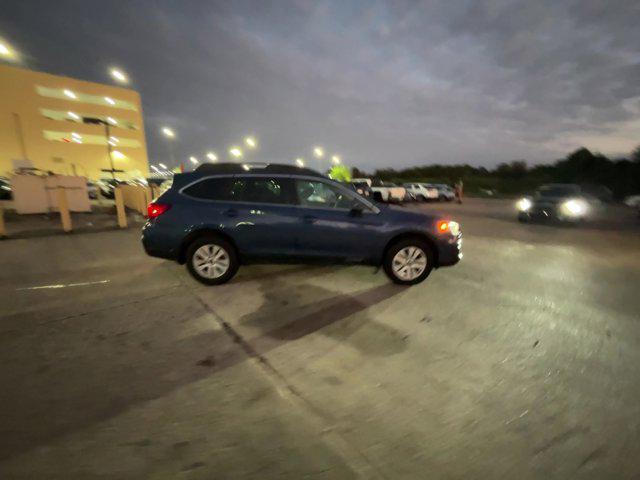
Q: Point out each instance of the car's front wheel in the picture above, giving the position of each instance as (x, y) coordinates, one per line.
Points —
(212, 260)
(408, 261)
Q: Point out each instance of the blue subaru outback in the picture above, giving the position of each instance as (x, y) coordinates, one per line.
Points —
(223, 215)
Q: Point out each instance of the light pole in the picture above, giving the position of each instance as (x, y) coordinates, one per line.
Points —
(170, 135)
(318, 152)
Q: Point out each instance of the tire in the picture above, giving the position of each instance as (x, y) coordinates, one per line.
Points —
(212, 247)
(390, 261)
(424, 199)
(377, 196)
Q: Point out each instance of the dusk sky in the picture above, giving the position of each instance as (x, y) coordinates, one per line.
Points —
(383, 84)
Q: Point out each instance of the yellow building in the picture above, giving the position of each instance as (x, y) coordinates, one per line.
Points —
(69, 126)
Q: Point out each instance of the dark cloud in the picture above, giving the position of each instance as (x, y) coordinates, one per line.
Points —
(382, 83)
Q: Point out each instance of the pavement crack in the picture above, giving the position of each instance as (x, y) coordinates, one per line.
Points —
(357, 460)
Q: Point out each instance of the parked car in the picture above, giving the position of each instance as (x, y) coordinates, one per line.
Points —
(422, 191)
(558, 201)
(387, 192)
(632, 201)
(445, 192)
(224, 215)
(6, 193)
(107, 186)
(362, 188)
(92, 190)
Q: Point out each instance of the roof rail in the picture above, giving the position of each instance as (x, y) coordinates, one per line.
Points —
(275, 168)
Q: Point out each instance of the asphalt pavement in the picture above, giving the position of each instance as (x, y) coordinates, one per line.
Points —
(523, 361)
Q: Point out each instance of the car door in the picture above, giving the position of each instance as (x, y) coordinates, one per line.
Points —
(257, 212)
(329, 226)
(265, 217)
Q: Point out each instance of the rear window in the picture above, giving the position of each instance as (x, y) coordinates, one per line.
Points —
(213, 189)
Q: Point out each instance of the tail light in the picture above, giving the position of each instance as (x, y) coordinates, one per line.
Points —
(154, 210)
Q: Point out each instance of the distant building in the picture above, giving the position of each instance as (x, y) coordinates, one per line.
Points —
(69, 126)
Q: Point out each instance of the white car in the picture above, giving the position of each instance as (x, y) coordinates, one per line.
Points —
(445, 192)
(383, 191)
(388, 192)
(422, 191)
(632, 201)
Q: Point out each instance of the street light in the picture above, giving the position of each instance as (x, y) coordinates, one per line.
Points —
(212, 156)
(318, 152)
(7, 52)
(119, 75)
(167, 132)
(193, 160)
(335, 159)
(300, 162)
(162, 165)
(235, 152)
(73, 115)
(171, 135)
(250, 141)
(69, 93)
(118, 155)
(112, 120)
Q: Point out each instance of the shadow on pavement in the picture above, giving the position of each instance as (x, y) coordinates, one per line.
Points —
(93, 368)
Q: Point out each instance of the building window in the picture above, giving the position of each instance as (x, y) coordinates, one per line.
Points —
(78, 117)
(84, 139)
(79, 97)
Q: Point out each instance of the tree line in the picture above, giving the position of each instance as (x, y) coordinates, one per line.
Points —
(621, 176)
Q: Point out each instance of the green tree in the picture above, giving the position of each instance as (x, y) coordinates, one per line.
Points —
(340, 173)
(635, 156)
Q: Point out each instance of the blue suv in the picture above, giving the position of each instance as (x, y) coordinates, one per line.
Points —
(223, 215)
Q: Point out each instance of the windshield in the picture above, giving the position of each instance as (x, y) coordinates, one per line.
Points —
(557, 190)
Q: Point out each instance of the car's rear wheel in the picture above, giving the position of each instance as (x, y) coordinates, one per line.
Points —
(212, 260)
(409, 261)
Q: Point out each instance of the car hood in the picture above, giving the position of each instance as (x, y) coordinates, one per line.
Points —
(400, 214)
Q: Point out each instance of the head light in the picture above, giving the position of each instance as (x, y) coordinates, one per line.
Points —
(448, 226)
(575, 207)
(524, 204)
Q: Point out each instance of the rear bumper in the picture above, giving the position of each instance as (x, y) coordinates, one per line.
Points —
(154, 246)
(450, 251)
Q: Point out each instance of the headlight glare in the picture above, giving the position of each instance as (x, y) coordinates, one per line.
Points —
(524, 204)
(575, 207)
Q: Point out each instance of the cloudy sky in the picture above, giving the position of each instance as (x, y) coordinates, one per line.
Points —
(394, 83)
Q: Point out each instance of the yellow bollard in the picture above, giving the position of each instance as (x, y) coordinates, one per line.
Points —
(63, 208)
(142, 202)
(120, 211)
(3, 228)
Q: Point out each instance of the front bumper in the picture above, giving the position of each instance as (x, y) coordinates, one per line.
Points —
(450, 251)
(548, 214)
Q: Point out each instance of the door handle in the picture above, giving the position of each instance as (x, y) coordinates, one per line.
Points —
(232, 212)
(309, 219)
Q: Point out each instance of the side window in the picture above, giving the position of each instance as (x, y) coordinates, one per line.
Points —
(319, 194)
(224, 188)
(265, 190)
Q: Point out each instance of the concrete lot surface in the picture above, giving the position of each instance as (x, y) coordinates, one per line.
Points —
(523, 361)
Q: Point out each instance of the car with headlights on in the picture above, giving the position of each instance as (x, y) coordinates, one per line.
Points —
(223, 215)
(565, 202)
